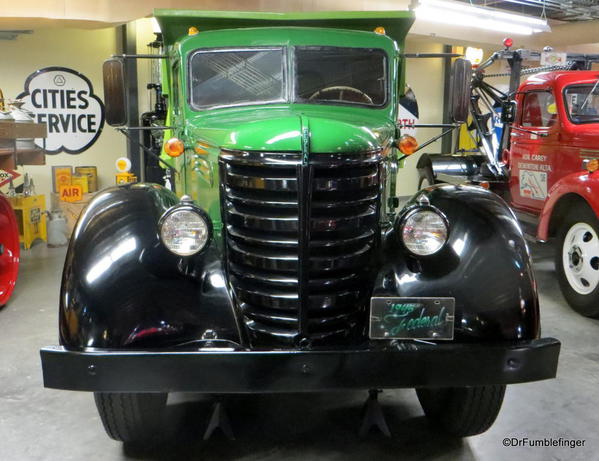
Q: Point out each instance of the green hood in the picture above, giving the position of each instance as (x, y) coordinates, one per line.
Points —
(279, 129)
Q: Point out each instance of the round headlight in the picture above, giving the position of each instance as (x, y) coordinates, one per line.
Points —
(424, 232)
(185, 231)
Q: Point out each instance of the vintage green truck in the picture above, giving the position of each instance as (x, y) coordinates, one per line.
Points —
(282, 261)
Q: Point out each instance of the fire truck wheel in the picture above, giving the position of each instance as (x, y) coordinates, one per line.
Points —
(462, 411)
(130, 418)
(577, 260)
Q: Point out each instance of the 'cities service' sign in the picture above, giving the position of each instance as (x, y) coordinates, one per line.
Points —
(64, 100)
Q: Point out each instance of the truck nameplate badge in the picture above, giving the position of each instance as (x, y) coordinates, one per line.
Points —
(412, 318)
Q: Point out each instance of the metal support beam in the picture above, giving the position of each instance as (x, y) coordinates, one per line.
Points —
(516, 65)
(447, 141)
(128, 45)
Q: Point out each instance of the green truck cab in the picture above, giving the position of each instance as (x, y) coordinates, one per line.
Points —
(283, 261)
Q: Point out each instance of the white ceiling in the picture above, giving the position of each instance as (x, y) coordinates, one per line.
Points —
(33, 14)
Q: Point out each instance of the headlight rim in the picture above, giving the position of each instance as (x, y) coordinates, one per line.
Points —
(410, 212)
(186, 206)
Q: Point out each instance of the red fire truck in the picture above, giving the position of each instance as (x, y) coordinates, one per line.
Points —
(543, 161)
(9, 250)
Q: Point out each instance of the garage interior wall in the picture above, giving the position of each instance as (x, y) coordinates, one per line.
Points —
(425, 77)
(83, 51)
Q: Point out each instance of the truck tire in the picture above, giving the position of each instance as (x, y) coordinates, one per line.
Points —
(462, 411)
(130, 417)
(577, 260)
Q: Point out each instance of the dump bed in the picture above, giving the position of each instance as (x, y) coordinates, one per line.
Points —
(175, 23)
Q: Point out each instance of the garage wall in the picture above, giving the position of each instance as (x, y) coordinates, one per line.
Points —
(425, 76)
(83, 51)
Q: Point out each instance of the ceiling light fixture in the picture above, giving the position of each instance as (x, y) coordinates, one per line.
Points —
(461, 14)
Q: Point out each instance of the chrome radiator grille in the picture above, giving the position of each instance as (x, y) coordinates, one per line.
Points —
(299, 242)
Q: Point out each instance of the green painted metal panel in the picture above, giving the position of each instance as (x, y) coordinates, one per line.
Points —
(175, 23)
(276, 127)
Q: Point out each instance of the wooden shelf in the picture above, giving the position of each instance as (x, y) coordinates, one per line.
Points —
(21, 151)
(10, 158)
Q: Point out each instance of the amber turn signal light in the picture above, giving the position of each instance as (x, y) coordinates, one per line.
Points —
(407, 144)
(380, 30)
(174, 147)
(592, 165)
(193, 31)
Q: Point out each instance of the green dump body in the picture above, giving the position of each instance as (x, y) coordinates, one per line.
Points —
(285, 125)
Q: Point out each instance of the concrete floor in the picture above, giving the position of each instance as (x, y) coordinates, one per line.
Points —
(41, 424)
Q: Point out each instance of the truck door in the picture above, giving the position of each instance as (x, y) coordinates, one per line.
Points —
(533, 146)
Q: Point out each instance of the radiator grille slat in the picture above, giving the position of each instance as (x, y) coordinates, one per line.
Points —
(261, 199)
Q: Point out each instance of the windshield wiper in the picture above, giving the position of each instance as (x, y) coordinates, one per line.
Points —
(589, 95)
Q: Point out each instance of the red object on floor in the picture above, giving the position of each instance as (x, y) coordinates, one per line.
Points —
(9, 250)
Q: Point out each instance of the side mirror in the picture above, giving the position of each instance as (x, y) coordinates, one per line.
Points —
(114, 91)
(460, 90)
(508, 112)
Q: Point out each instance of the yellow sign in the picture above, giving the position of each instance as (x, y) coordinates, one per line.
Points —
(73, 193)
(62, 176)
(125, 178)
(474, 55)
(80, 180)
(123, 164)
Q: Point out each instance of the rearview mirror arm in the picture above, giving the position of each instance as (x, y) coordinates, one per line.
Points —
(524, 130)
(146, 150)
(429, 125)
(433, 139)
(140, 56)
(145, 128)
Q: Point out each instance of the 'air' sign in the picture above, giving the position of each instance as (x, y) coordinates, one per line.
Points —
(70, 193)
(64, 100)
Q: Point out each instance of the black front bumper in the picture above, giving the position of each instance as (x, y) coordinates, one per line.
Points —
(402, 365)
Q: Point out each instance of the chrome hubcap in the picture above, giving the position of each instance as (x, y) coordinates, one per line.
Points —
(580, 258)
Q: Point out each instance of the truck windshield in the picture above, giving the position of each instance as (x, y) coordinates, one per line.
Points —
(236, 77)
(323, 75)
(340, 75)
(582, 102)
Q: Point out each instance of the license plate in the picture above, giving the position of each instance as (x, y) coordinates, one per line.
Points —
(412, 318)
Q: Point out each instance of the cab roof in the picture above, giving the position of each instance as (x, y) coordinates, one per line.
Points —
(174, 24)
(560, 78)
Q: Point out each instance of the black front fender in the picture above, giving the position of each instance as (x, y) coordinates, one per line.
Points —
(485, 266)
(122, 288)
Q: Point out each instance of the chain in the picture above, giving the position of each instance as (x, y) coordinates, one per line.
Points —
(535, 70)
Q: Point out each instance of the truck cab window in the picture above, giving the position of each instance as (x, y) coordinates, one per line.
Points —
(539, 109)
(582, 103)
(229, 77)
(341, 75)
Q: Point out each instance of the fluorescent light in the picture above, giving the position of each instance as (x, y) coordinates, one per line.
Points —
(460, 14)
